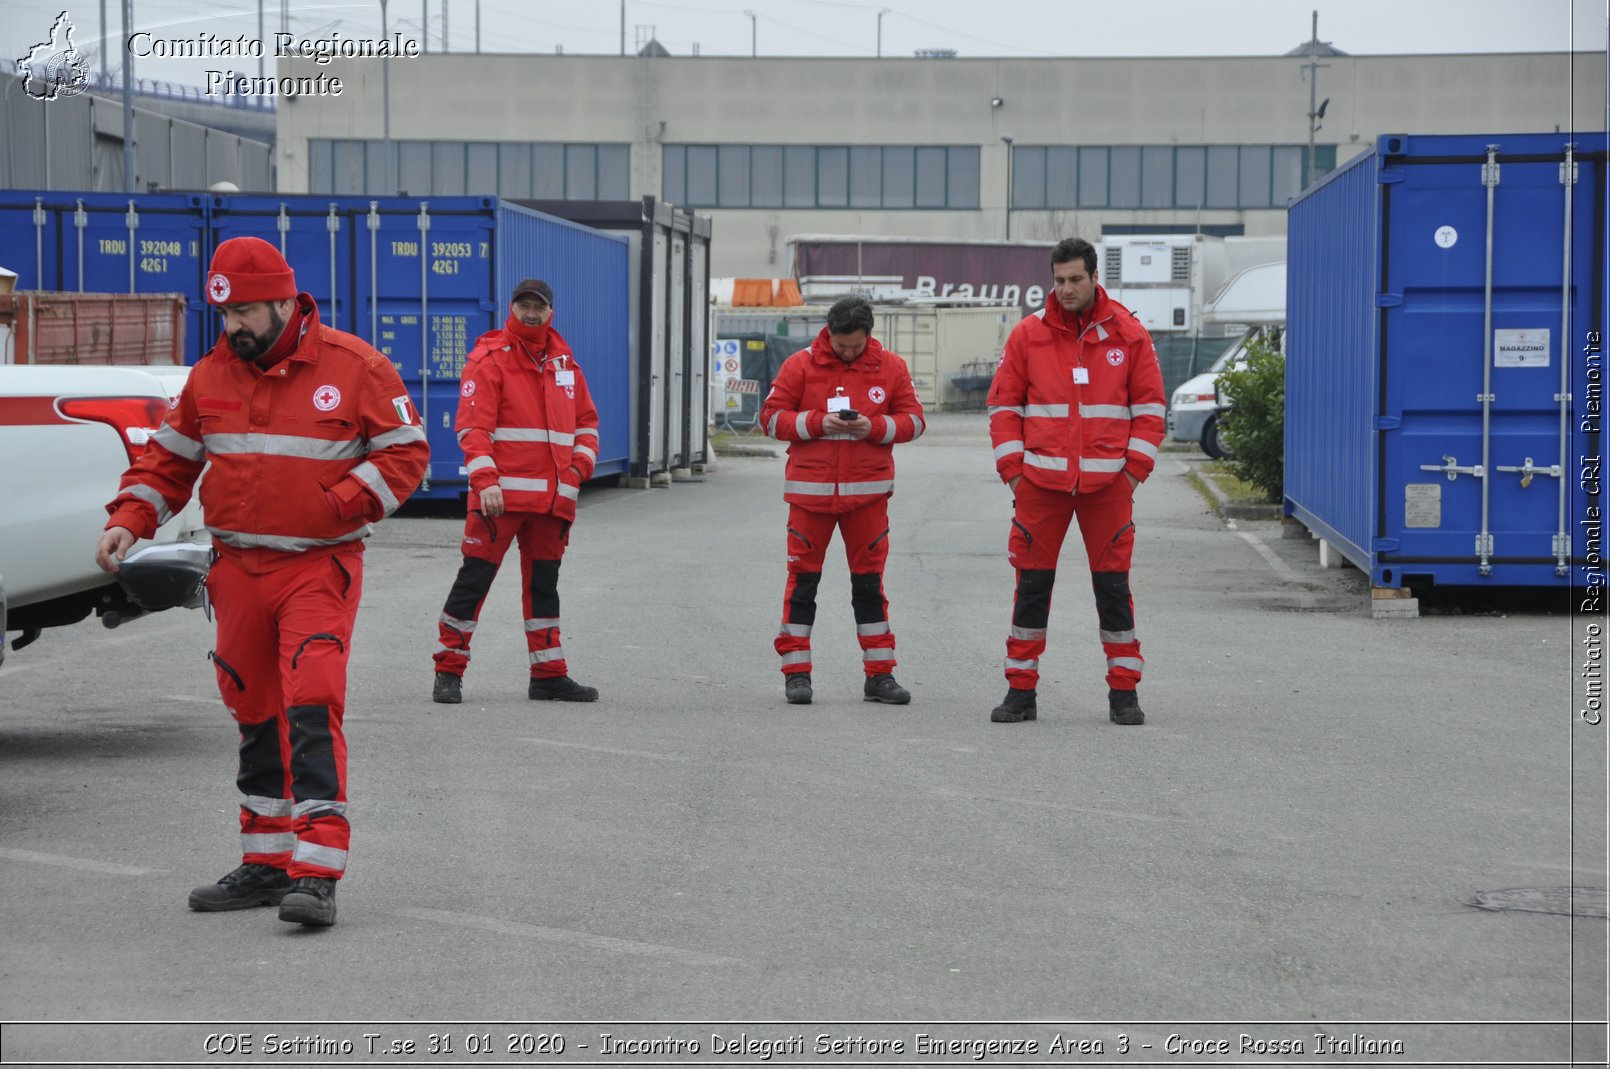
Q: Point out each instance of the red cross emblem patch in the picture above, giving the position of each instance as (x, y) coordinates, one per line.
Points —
(1115, 357)
(326, 398)
(218, 288)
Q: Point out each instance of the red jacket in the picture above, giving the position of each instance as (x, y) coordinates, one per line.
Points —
(305, 456)
(1064, 434)
(526, 423)
(840, 473)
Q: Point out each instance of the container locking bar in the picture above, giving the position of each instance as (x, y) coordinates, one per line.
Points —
(132, 221)
(1529, 469)
(1562, 537)
(1484, 541)
(39, 243)
(80, 221)
(424, 328)
(332, 223)
(1453, 469)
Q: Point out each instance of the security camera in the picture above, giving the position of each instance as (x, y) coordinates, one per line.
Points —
(996, 102)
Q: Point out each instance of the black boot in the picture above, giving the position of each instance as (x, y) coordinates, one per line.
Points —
(797, 688)
(883, 688)
(1018, 705)
(448, 689)
(311, 900)
(560, 689)
(1123, 707)
(247, 886)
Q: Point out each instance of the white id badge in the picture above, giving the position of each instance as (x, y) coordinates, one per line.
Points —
(1081, 375)
(838, 404)
(567, 377)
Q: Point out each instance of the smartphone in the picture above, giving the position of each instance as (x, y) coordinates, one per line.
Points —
(849, 415)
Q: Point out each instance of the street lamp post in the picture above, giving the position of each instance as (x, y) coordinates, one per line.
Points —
(754, 34)
(1006, 139)
(881, 12)
(385, 103)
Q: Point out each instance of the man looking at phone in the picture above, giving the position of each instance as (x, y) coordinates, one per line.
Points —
(841, 405)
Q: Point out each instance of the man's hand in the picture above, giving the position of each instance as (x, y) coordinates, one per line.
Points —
(859, 427)
(113, 547)
(492, 502)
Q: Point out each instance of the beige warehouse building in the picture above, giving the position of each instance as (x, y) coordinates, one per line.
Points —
(922, 147)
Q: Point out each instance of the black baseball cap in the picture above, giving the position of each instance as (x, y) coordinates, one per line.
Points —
(533, 286)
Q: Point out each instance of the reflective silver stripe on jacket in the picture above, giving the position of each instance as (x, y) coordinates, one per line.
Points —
(794, 486)
(1029, 634)
(1091, 464)
(557, 653)
(888, 432)
(314, 805)
(1006, 449)
(532, 434)
(284, 543)
(325, 857)
(279, 842)
(410, 433)
(510, 482)
(1035, 460)
(1046, 412)
(801, 425)
(1143, 447)
(285, 445)
(917, 426)
(771, 425)
(462, 433)
(585, 451)
(878, 653)
(450, 649)
(478, 463)
(1118, 636)
(1014, 409)
(370, 476)
(839, 438)
(267, 807)
(568, 492)
(797, 657)
(1104, 411)
(879, 628)
(152, 498)
(541, 623)
(1133, 663)
(587, 432)
(1150, 410)
(174, 442)
(1026, 665)
(796, 630)
(466, 627)
(882, 486)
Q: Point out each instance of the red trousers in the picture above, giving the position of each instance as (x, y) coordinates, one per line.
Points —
(281, 662)
(542, 538)
(1039, 524)
(866, 543)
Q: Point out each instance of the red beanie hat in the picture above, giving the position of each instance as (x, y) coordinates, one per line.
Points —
(245, 270)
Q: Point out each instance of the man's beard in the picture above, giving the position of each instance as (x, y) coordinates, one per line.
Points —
(251, 347)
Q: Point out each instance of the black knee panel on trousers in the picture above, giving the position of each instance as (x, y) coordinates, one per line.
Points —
(1112, 600)
(866, 597)
(260, 770)
(469, 588)
(802, 601)
(545, 588)
(1033, 607)
(313, 771)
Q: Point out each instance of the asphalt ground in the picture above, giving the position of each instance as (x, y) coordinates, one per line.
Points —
(1291, 844)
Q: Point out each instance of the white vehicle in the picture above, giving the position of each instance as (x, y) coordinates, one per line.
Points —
(68, 433)
(1254, 298)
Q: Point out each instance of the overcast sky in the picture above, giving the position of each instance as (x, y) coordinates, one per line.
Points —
(847, 28)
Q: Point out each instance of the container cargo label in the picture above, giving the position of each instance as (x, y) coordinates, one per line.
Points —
(1422, 505)
(1521, 348)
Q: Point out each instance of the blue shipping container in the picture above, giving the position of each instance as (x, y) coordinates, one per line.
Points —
(108, 243)
(1445, 308)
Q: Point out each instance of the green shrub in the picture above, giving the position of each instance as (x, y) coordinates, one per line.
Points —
(1255, 425)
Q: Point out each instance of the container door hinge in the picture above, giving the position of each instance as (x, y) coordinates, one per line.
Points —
(1529, 469)
(1562, 548)
(1568, 173)
(1388, 423)
(1386, 545)
(1489, 173)
(1451, 467)
(1484, 548)
(1388, 300)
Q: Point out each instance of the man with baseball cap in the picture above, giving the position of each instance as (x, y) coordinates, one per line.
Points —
(529, 432)
(311, 438)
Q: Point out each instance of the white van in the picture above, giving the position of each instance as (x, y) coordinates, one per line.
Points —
(1255, 297)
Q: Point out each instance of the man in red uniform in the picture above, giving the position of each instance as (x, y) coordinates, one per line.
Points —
(841, 405)
(1076, 415)
(311, 438)
(529, 432)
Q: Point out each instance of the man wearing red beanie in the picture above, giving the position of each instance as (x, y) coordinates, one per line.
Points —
(311, 438)
(529, 432)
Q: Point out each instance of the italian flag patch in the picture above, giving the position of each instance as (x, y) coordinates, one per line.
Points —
(404, 412)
